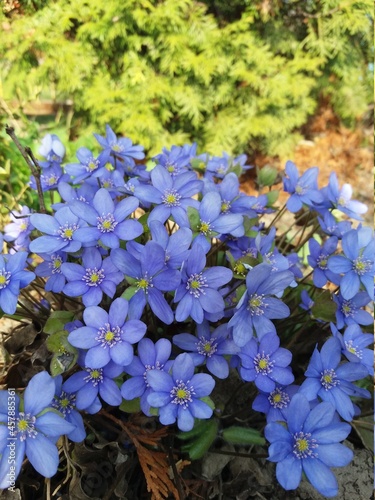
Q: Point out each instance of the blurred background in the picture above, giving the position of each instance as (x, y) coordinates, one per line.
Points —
(275, 79)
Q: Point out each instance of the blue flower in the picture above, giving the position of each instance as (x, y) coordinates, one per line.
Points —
(52, 148)
(357, 266)
(334, 197)
(51, 268)
(89, 166)
(64, 402)
(59, 230)
(303, 189)
(275, 404)
(178, 395)
(20, 228)
(331, 381)
(84, 193)
(31, 430)
(197, 294)
(309, 444)
(176, 245)
(333, 228)
(50, 177)
(150, 357)
(13, 277)
(354, 346)
(233, 201)
(209, 348)
(175, 161)
(171, 194)
(106, 220)
(213, 222)
(349, 311)
(307, 302)
(318, 260)
(265, 363)
(152, 277)
(92, 279)
(122, 148)
(256, 307)
(108, 336)
(87, 384)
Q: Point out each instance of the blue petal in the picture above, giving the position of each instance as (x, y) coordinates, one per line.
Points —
(103, 202)
(167, 414)
(6, 462)
(218, 366)
(159, 381)
(122, 354)
(43, 455)
(183, 368)
(84, 337)
(52, 425)
(289, 472)
(97, 357)
(86, 396)
(134, 330)
(39, 393)
(298, 411)
(320, 476)
(110, 392)
(203, 384)
(334, 455)
(185, 420)
(160, 306)
(159, 400)
(133, 388)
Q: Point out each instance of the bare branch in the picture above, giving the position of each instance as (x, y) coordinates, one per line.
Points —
(32, 163)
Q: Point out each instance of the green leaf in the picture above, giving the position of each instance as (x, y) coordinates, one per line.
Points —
(324, 307)
(129, 292)
(130, 406)
(57, 321)
(202, 440)
(272, 197)
(58, 343)
(242, 435)
(364, 427)
(194, 218)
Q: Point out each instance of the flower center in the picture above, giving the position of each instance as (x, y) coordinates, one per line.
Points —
(181, 393)
(352, 349)
(328, 379)
(144, 283)
(171, 198)
(50, 180)
(94, 277)
(225, 206)
(116, 147)
(64, 403)
(24, 225)
(362, 266)
(300, 189)
(262, 363)
(206, 347)
(25, 425)
(94, 376)
(322, 261)
(108, 337)
(342, 201)
(347, 308)
(67, 230)
(278, 398)
(4, 278)
(106, 223)
(195, 284)
(256, 305)
(204, 227)
(304, 445)
(92, 165)
(55, 264)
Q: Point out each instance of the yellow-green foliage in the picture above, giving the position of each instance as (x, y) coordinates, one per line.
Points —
(166, 72)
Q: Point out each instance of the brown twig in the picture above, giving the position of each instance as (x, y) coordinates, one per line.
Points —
(32, 163)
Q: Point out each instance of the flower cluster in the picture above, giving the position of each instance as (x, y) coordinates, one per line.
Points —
(176, 273)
